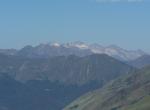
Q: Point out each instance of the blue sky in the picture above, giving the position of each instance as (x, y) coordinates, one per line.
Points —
(123, 22)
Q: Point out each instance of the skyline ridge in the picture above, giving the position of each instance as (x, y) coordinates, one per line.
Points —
(50, 43)
(77, 48)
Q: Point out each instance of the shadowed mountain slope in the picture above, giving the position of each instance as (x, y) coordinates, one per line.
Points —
(67, 70)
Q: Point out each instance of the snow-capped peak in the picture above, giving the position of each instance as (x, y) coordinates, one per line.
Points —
(55, 44)
(78, 44)
(81, 46)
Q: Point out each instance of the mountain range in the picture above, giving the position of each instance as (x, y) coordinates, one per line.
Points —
(50, 76)
(74, 48)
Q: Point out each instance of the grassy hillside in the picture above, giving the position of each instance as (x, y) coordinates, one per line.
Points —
(131, 92)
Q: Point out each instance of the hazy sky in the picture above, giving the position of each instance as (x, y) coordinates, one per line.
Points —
(122, 22)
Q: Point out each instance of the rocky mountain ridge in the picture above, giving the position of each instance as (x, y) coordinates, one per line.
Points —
(74, 48)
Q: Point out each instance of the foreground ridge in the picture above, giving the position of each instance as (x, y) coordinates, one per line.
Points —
(131, 92)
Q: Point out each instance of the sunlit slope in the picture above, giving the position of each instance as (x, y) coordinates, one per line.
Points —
(131, 92)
